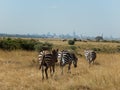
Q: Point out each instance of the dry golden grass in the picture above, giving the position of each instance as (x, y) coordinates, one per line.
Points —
(81, 46)
(19, 72)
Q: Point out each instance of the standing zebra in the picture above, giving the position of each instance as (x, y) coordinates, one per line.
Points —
(48, 61)
(90, 56)
(40, 56)
(67, 57)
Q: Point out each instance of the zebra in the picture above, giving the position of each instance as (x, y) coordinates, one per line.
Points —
(48, 61)
(40, 56)
(67, 57)
(90, 56)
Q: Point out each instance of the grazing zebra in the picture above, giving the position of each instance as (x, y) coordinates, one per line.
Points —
(90, 56)
(67, 57)
(48, 61)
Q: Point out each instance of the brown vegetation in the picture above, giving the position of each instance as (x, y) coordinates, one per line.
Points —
(19, 71)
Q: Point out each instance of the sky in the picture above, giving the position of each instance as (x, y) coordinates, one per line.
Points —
(85, 17)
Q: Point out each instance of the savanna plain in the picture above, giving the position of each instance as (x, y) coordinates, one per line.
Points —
(19, 70)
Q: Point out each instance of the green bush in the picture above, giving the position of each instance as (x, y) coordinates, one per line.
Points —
(74, 39)
(24, 44)
(43, 46)
(47, 46)
(28, 44)
(9, 44)
(71, 42)
(118, 48)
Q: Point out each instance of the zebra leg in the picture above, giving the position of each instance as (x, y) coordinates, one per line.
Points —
(69, 67)
(93, 62)
(40, 66)
(53, 67)
(89, 63)
(46, 72)
(62, 70)
(42, 72)
(50, 71)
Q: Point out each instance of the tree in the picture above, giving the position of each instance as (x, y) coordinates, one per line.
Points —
(99, 38)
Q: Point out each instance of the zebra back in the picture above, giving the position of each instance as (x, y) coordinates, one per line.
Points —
(41, 54)
(90, 55)
(67, 57)
(49, 59)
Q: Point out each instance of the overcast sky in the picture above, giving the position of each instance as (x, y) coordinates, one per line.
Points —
(85, 17)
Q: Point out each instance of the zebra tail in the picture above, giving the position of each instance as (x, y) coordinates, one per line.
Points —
(42, 62)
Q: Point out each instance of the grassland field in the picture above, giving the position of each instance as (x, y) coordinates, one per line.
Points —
(19, 70)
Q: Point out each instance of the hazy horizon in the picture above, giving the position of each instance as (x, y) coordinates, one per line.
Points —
(85, 17)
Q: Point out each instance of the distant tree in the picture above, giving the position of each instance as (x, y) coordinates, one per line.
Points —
(99, 38)
(75, 39)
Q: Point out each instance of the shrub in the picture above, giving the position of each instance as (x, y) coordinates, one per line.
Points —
(71, 42)
(13, 44)
(28, 44)
(47, 46)
(24, 44)
(9, 44)
(43, 46)
(118, 48)
(74, 39)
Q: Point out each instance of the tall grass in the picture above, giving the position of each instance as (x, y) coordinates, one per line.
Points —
(19, 71)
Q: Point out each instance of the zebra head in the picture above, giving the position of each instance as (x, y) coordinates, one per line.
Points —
(55, 54)
(75, 59)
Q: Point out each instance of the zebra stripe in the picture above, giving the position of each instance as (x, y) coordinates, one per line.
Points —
(40, 57)
(41, 54)
(67, 57)
(48, 61)
(90, 56)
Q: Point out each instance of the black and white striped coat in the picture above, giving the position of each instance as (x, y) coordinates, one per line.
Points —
(90, 56)
(67, 57)
(40, 56)
(48, 61)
